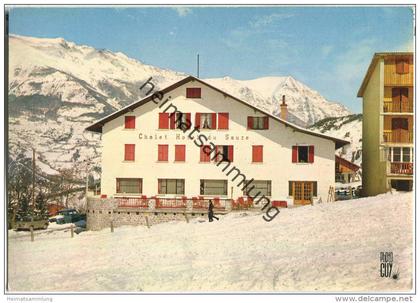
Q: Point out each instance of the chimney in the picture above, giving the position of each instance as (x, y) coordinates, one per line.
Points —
(283, 109)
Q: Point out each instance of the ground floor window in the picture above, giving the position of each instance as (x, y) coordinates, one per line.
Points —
(129, 185)
(303, 191)
(171, 186)
(257, 188)
(402, 185)
(213, 187)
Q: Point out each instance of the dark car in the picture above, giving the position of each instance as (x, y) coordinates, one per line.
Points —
(69, 215)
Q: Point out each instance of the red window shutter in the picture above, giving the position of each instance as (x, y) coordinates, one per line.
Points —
(223, 122)
(257, 153)
(189, 123)
(197, 120)
(130, 122)
(265, 122)
(129, 152)
(250, 122)
(311, 154)
(179, 152)
(204, 157)
(213, 120)
(163, 120)
(230, 153)
(406, 68)
(162, 152)
(294, 154)
(172, 120)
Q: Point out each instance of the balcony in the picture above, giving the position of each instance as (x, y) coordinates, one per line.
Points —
(398, 107)
(390, 136)
(400, 168)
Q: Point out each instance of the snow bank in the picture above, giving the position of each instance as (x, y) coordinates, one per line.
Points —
(326, 247)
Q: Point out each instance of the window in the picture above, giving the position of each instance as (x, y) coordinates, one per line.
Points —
(257, 153)
(400, 154)
(402, 66)
(180, 121)
(258, 188)
(179, 152)
(223, 122)
(129, 186)
(406, 154)
(171, 186)
(193, 92)
(257, 122)
(224, 153)
(205, 153)
(303, 154)
(162, 152)
(205, 120)
(130, 122)
(213, 187)
(163, 120)
(396, 155)
(129, 151)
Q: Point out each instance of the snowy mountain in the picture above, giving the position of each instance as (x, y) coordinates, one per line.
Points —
(348, 128)
(305, 105)
(58, 88)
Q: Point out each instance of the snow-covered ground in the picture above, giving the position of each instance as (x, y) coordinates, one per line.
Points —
(326, 247)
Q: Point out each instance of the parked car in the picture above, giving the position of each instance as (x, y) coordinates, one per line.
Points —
(28, 222)
(69, 215)
(55, 218)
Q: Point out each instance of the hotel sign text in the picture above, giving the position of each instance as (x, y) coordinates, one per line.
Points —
(143, 136)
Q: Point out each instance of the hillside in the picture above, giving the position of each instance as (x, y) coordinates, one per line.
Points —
(326, 247)
(348, 128)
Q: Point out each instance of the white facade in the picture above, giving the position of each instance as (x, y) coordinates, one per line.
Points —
(277, 142)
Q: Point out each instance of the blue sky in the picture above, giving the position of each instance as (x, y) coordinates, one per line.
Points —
(327, 48)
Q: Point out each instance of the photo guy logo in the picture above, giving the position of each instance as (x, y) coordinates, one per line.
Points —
(201, 140)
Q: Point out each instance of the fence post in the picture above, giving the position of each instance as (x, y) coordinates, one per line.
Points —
(147, 221)
(112, 226)
(71, 231)
(186, 218)
(32, 233)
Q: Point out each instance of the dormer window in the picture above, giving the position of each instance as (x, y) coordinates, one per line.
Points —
(194, 92)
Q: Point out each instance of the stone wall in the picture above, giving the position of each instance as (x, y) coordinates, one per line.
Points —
(100, 213)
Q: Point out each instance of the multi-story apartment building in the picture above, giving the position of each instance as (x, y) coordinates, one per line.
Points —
(388, 118)
(148, 151)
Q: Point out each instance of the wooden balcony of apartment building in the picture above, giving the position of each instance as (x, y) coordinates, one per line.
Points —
(392, 136)
(398, 107)
(400, 168)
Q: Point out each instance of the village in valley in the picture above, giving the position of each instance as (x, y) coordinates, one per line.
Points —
(126, 177)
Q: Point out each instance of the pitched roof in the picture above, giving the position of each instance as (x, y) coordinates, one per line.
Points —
(348, 163)
(372, 65)
(97, 126)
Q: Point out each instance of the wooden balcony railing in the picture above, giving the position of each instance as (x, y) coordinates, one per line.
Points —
(398, 137)
(133, 202)
(401, 168)
(398, 107)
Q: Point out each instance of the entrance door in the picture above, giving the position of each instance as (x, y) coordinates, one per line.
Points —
(400, 130)
(302, 192)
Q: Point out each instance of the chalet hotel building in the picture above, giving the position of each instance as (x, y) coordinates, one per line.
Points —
(146, 151)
